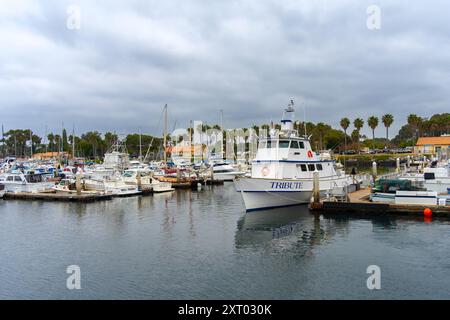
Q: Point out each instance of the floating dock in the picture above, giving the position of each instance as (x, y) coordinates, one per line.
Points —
(53, 196)
(359, 203)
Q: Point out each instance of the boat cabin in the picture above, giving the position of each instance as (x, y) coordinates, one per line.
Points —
(289, 158)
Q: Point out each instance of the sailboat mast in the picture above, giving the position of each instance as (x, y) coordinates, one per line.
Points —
(140, 146)
(31, 144)
(73, 142)
(46, 140)
(221, 129)
(3, 143)
(165, 134)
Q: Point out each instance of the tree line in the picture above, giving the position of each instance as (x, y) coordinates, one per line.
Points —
(90, 145)
(94, 145)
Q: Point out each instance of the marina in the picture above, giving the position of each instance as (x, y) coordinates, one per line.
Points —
(224, 155)
(199, 226)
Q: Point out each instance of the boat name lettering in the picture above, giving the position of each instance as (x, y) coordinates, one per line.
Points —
(286, 185)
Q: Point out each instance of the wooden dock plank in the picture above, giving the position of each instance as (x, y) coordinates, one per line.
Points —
(48, 196)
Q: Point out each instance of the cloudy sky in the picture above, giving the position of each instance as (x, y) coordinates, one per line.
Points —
(247, 57)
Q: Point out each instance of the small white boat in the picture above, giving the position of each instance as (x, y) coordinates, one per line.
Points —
(31, 182)
(226, 172)
(116, 188)
(435, 178)
(67, 186)
(148, 183)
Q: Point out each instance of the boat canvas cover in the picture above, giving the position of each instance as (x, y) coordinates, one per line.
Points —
(392, 185)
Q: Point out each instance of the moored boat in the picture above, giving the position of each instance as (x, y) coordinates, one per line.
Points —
(20, 182)
(282, 172)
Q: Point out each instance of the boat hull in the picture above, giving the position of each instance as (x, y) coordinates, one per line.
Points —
(260, 194)
(29, 187)
(229, 176)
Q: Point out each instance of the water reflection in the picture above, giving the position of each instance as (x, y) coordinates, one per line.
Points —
(295, 227)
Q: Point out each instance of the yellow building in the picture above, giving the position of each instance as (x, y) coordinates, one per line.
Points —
(50, 155)
(433, 145)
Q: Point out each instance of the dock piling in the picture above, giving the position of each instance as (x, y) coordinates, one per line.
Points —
(316, 187)
(78, 183)
(374, 171)
(139, 181)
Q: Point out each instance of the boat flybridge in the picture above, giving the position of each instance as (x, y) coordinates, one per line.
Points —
(282, 172)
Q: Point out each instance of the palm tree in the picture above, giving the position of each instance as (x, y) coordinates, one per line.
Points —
(358, 123)
(415, 122)
(387, 120)
(345, 123)
(51, 141)
(373, 123)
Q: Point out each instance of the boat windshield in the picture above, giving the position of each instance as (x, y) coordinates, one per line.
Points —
(128, 174)
(34, 178)
(284, 144)
(272, 144)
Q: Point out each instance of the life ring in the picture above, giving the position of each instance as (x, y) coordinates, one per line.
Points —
(265, 171)
(310, 154)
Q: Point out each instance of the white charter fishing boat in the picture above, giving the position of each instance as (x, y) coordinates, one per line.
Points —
(282, 172)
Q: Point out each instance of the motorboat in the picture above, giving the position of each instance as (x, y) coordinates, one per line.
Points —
(147, 183)
(68, 186)
(283, 170)
(405, 192)
(226, 172)
(434, 178)
(29, 182)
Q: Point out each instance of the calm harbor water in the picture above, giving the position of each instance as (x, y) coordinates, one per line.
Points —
(201, 245)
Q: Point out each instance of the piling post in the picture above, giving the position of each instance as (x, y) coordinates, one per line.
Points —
(316, 187)
(78, 183)
(139, 180)
(397, 165)
(178, 175)
(212, 174)
(374, 171)
(408, 162)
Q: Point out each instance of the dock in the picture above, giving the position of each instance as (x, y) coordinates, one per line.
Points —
(53, 196)
(359, 203)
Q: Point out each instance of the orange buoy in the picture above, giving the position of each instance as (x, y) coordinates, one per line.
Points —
(427, 212)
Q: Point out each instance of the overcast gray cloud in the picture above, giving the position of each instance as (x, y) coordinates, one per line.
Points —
(246, 57)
